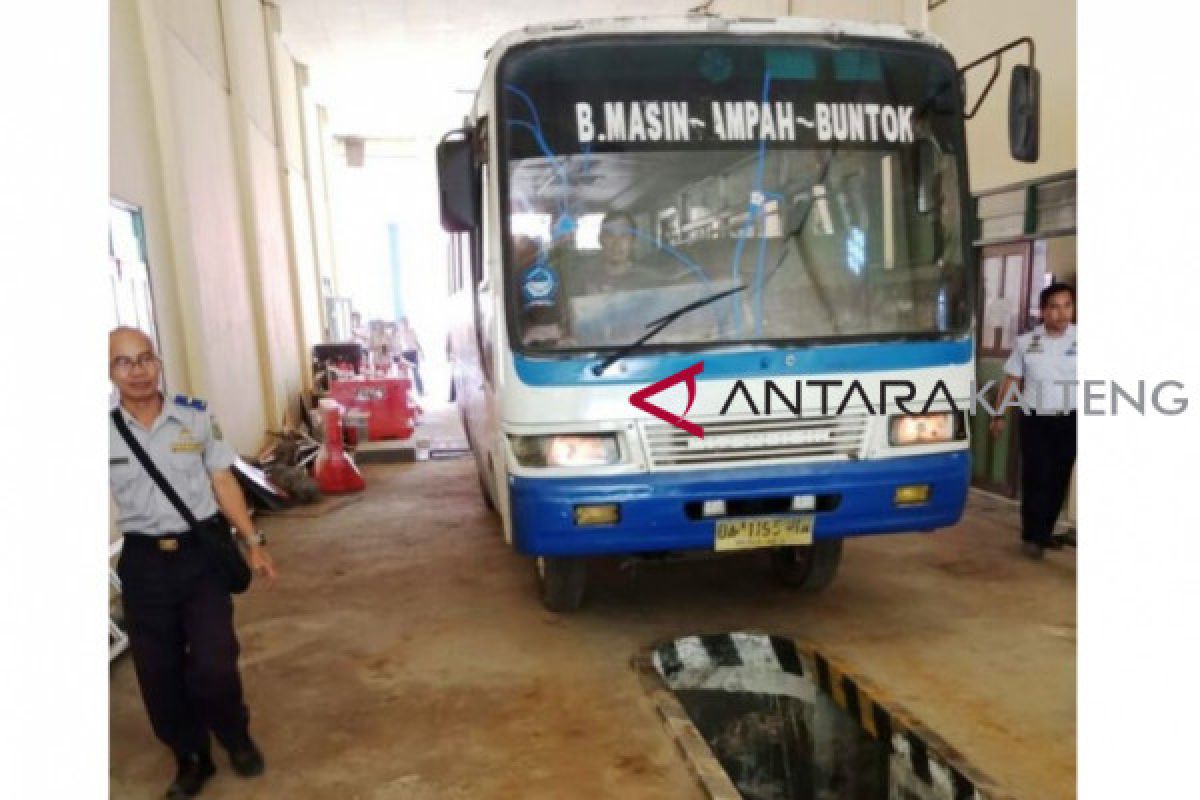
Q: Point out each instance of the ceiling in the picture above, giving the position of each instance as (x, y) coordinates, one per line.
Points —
(407, 69)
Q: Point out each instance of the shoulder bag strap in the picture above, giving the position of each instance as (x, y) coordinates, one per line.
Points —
(148, 464)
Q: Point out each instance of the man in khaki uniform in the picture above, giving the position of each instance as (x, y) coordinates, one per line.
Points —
(178, 609)
(1043, 364)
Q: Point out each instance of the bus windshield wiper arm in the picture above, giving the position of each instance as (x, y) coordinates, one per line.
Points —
(656, 325)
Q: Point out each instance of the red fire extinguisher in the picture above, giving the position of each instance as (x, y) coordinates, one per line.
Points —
(333, 470)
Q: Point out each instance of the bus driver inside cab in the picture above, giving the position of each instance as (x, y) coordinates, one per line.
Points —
(546, 296)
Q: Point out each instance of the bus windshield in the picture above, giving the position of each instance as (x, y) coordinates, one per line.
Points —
(827, 180)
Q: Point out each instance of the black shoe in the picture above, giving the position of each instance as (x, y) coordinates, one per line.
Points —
(1032, 550)
(194, 771)
(1061, 540)
(247, 760)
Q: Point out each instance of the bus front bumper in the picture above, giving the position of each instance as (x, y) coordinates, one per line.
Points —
(657, 510)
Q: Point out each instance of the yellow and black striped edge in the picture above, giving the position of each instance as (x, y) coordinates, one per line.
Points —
(889, 722)
(931, 759)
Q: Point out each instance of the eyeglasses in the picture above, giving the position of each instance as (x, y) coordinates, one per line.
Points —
(125, 363)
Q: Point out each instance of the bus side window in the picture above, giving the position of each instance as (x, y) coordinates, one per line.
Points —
(480, 254)
(481, 274)
(482, 251)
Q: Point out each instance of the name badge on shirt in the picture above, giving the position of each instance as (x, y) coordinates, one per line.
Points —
(1035, 345)
(186, 444)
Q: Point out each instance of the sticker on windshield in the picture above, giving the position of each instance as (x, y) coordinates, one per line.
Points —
(539, 287)
(632, 121)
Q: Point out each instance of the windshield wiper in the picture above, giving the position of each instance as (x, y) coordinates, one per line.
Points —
(656, 326)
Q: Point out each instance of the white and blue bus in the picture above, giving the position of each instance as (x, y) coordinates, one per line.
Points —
(713, 289)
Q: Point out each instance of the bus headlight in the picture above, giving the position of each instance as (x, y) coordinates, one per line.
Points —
(937, 428)
(573, 450)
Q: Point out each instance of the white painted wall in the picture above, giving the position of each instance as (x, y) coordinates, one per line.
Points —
(290, 111)
(135, 175)
(260, 161)
(319, 152)
(232, 374)
(194, 143)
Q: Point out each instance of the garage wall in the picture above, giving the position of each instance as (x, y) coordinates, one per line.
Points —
(231, 373)
(268, 234)
(971, 28)
(194, 143)
(135, 175)
(320, 163)
(299, 187)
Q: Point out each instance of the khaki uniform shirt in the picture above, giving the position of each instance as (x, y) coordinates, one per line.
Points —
(187, 446)
(1046, 365)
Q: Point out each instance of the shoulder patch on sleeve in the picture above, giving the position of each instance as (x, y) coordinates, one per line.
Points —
(216, 429)
(190, 402)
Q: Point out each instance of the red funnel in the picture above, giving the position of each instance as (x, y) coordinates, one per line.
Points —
(334, 471)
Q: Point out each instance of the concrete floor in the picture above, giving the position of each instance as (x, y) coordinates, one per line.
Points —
(404, 654)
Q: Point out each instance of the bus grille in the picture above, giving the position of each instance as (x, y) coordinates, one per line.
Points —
(729, 440)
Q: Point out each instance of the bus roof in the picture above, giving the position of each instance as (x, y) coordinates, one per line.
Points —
(694, 23)
(710, 23)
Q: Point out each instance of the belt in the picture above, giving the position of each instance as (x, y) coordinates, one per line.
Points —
(1053, 413)
(167, 543)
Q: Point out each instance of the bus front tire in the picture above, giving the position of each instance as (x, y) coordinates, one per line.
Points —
(561, 582)
(811, 568)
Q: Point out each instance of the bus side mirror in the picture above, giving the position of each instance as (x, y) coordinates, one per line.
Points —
(1024, 98)
(458, 182)
(1024, 101)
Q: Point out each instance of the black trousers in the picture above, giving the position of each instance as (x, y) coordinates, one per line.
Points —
(1047, 457)
(179, 617)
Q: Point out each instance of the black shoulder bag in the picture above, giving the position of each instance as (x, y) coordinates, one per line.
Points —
(213, 535)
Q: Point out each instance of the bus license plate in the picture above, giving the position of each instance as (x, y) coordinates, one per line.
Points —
(747, 534)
